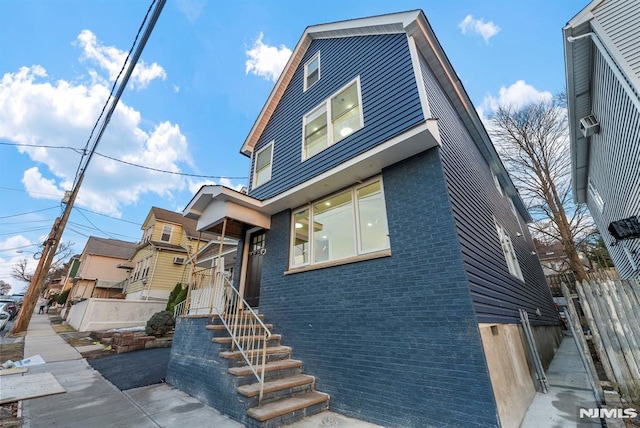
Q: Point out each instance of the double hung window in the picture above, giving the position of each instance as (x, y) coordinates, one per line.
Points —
(509, 252)
(166, 233)
(312, 71)
(347, 224)
(262, 165)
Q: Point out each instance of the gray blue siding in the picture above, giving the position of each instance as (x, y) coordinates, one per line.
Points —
(390, 100)
(497, 295)
(393, 340)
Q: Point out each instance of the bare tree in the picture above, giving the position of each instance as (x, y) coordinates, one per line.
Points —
(533, 142)
(4, 287)
(21, 270)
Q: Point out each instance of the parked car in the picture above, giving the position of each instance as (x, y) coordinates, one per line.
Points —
(19, 298)
(9, 306)
(4, 319)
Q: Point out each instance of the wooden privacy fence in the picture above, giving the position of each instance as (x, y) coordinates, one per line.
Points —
(612, 310)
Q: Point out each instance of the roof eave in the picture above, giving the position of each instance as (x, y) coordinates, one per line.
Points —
(383, 24)
(579, 147)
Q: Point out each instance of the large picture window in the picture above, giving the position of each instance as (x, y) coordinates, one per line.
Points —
(347, 224)
(336, 118)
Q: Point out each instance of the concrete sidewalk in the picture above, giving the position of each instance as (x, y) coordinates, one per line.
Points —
(569, 390)
(92, 401)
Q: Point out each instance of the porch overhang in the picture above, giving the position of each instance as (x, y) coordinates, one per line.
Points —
(213, 204)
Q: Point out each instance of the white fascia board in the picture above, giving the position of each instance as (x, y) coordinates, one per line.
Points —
(426, 40)
(207, 194)
(577, 150)
(419, 139)
(384, 24)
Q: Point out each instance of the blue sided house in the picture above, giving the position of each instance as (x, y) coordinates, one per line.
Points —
(384, 255)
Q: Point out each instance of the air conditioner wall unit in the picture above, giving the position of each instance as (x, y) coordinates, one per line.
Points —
(589, 125)
(178, 260)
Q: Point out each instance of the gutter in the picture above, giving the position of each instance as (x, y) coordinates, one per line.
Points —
(621, 78)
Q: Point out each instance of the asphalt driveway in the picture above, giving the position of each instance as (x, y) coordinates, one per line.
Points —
(134, 369)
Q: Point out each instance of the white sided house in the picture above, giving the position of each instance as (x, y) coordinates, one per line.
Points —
(602, 56)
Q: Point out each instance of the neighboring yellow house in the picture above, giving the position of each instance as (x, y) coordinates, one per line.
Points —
(169, 240)
(104, 266)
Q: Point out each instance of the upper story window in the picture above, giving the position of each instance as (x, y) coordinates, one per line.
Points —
(166, 233)
(312, 71)
(347, 224)
(262, 165)
(146, 236)
(509, 252)
(595, 195)
(336, 118)
(496, 182)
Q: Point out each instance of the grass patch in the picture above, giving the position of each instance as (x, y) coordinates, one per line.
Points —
(62, 328)
(11, 351)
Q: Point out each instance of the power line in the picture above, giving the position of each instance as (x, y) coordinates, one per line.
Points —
(27, 213)
(95, 227)
(109, 216)
(170, 172)
(18, 248)
(80, 151)
(51, 244)
(47, 220)
(34, 229)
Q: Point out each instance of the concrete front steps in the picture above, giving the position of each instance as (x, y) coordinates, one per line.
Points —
(288, 396)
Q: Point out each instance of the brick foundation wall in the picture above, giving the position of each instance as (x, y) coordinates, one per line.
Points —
(393, 340)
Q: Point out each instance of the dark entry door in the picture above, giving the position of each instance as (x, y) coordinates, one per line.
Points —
(257, 250)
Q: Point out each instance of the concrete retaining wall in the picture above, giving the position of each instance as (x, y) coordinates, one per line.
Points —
(510, 366)
(104, 314)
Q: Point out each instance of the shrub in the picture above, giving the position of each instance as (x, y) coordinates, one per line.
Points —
(160, 324)
(62, 298)
(173, 297)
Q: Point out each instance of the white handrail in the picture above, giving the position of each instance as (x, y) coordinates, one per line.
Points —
(248, 333)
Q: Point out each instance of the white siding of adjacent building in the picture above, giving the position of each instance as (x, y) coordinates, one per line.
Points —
(614, 158)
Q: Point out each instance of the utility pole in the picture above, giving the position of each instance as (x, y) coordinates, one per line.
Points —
(55, 236)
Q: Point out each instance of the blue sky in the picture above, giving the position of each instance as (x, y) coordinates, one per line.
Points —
(202, 80)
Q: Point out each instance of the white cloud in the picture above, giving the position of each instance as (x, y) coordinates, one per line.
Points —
(111, 59)
(192, 9)
(36, 110)
(266, 61)
(515, 96)
(40, 187)
(10, 257)
(194, 186)
(485, 29)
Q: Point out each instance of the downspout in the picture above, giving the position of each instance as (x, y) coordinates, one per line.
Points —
(155, 263)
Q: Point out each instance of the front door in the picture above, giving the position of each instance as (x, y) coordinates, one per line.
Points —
(257, 250)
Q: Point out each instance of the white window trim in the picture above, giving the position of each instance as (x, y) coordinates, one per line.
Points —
(496, 182)
(170, 233)
(327, 105)
(509, 252)
(595, 195)
(360, 253)
(255, 164)
(306, 71)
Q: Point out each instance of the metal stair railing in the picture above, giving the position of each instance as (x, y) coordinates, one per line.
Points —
(249, 335)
